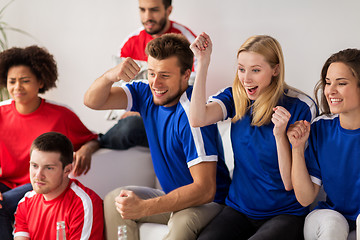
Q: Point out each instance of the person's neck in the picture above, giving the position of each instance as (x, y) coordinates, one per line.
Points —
(166, 28)
(28, 107)
(350, 120)
(57, 192)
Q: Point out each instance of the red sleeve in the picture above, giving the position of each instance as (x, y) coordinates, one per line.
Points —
(21, 226)
(126, 50)
(135, 46)
(97, 232)
(77, 132)
(76, 222)
(86, 219)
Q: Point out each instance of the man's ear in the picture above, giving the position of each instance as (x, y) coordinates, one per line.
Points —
(68, 168)
(187, 75)
(169, 10)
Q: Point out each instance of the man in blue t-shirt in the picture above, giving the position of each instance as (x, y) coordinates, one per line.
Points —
(187, 161)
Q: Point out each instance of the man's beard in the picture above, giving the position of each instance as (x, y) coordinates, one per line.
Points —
(162, 24)
(171, 99)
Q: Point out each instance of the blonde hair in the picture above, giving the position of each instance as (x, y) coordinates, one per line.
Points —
(262, 107)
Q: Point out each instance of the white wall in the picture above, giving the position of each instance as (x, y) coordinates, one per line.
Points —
(84, 34)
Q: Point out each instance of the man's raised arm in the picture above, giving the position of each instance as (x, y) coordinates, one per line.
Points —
(101, 95)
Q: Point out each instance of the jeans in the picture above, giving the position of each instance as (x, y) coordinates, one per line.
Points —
(11, 197)
(126, 133)
(231, 224)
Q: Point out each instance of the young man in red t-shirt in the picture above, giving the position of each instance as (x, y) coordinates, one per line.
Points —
(55, 197)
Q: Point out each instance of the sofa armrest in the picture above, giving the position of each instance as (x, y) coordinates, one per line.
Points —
(111, 169)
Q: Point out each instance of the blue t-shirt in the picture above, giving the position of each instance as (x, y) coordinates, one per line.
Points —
(257, 189)
(175, 146)
(333, 159)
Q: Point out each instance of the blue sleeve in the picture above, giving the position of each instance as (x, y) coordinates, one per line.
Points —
(199, 144)
(226, 101)
(311, 157)
(137, 94)
(303, 109)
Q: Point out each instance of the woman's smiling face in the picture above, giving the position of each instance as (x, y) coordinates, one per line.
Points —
(341, 90)
(255, 73)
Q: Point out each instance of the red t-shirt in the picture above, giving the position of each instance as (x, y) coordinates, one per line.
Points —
(18, 131)
(79, 207)
(134, 46)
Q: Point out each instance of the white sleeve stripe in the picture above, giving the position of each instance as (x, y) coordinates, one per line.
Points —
(6, 102)
(88, 210)
(306, 99)
(129, 98)
(212, 158)
(326, 117)
(128, 93)
(222, 105)
(184, 31)
(316, 180)
(196, 132)
(28, 194)
(22, 234)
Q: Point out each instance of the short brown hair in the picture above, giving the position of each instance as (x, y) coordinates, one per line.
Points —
(169, 45)
(55, 142)
(41, 63)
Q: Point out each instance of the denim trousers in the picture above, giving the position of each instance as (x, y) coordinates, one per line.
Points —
(11, 197)
(126, 133)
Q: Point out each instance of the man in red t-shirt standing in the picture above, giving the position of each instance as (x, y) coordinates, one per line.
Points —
(154, 16)
(55, 197)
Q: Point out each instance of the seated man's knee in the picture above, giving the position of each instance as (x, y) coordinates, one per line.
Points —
(109, 199)
(126, 133)
(130, 125)
(196, 218)
(188, 222)
(184, 219)
(183, 225)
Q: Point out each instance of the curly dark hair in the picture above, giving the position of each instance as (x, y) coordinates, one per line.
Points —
(39, 60)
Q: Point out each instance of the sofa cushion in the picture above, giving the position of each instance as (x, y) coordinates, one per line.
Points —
(111, 169)
(152, 231)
